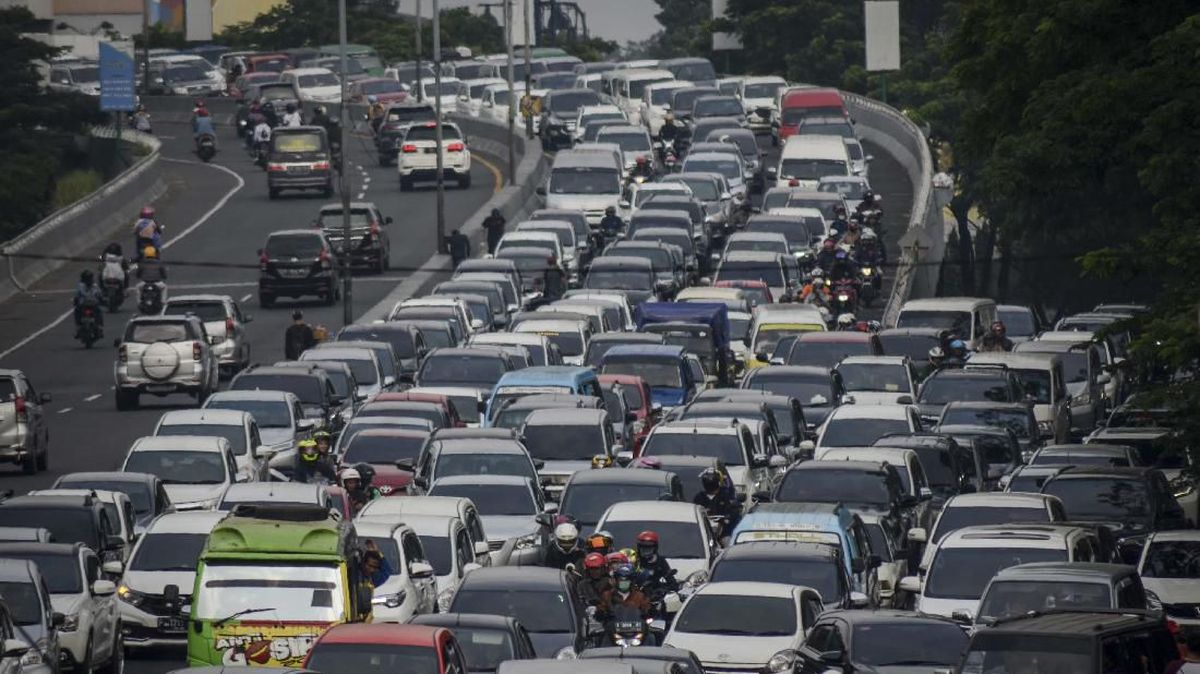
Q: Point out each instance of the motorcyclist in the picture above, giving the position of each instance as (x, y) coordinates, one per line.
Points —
(847, 323)
(320, 117)
(828, 253)
(596, 580)
(261, 136)
(844, 267)
(868, 203)
(853, 234)
(292, 116)
(565, 548)
(657, 575)
(871, 252)
(997, 339)
(202, 125)
(113, 265)
(359, 494)
(956, 353)
(141, 120)
(375, 113)
(716, 500)
(88, 294)
(816, 291)
(310, 464)
(838, 227)
(197, 108)
(624, 592)
(937, 357)
(151, 270)
(615, 559)
(642, 169)
(610, 224)
(602, 461)
(146, 231)
(668, 132)
(600, 542)
(324, 443)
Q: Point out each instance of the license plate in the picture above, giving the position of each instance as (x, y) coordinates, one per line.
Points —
(431, 150)
(293, 273)
(159, 388)
(297, 169)
(172, 625)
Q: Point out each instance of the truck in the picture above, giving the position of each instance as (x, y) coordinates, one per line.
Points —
(700, 327)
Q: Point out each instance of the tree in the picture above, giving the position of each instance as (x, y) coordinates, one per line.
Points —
(684, 29)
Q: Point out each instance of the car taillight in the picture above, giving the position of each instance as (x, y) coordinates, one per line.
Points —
(195, 350)
(408, 148)
(374, 229)
(455, 147)
(22, 412)
(324, 259)
(229, 327)
(321, 166)
(263, 260)
(122, 354)
(276, 167)
(87, 311)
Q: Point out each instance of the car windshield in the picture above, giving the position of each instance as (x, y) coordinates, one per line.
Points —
(382, 449)
(899, 643)
(1130, 416)
(726, 167)
(537, 610)
(1013, 598)
(657, 372)
(61, 572)
(23, 602)
(740, 616)
(85, 74)
(587, 502)
(296, 143)
(560, 442)
(429, 132)
(723, 446)
(363, 369)
(850, 189)
(847, 432)
(236, 435)
(915, 347)
(266, 413)
(585, 181)
(138, 492)
(1102, 498)
(1038, 384)
(810, 393)
(381, 87)
(483, 648)
(763, 245)
(571, 102)
(301, 593)
(952, 519)
(946, 578)
(304, 246)
(168, 552)
(834, 486)
(822, 575)
(317, 80)
(455, 369)
(938, 467)
(372, 658)
(569, 343)
(704, 189)
(307, 389)
(825, 354)
(1022, 653)
(874, 377)
(1015, 420)
(447, 88)
(770, 273)
(762, 90)
(955, 321)
(718, 107)
(811, 169)
(1168, 558)
(450, 464)
(628, 140)
(616, 279)
(679, 540)
(206, 311)
(331, 218)
(1017, 322)
(942, 390)
(140, 332)
(491, 499)
(178, 467)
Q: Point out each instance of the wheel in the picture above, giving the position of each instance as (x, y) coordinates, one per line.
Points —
(116, 661)
(127, 400)
(329, 297)
(464, 182)
(272, 193)
(266, 301)
(29, 463)
(381, 263)
(43, 460)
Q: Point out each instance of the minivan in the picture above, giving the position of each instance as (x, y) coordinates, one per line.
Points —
(585, 181)
(806, 159)
(969, 318)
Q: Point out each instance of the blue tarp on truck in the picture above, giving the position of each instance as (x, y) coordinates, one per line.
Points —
(713, 314)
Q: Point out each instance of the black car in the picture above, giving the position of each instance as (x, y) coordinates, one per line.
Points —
(145, 491)
(298, 262)
(1017, 417)
(394, 123)
(973, 384)
(369, 245)
(814, 565)
(882, 641)
(486, 640)
(997, 450)
(818, 391)
(863, 486)
(914, 343)
(299, 159)
(545, 601)
(949, 468)
(789, 415)
(559, 109)
(408, 342)
(80, 519)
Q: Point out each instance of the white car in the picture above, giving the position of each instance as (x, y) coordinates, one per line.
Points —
(160, 355)
(279, 415)
(860, 161)
(239, 428)
(893, 558)
(117, 505)
(494, 105)
(451, 88)
(565, 232)
(878, 380)
(418, 150)
(470, 98)
(861, 426)
(760, 92)
(222, 318)
(447, 547)
(656, 104)
(259, 493)
(319, 85)
(739, 626)
(194, 470)
(686, 540)
(1168, 569)
(412, 588)
(986, 508)
(571, 337)
(166, 554)
(401, 509)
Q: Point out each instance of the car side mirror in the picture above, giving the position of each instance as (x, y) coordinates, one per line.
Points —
(545, 519)
(389, 381)
(762, 496)
(103, 588)
(481, 548)
(1103, 378)
(421, 482)
(624, 457)
(538, 464)
(925, 493)
(917, 535)
(962, 617)
(15, 648)
(468, 568)
(550, 508)
(630, 417)
(758, 461)
(904, 400)
(420, 570)
(114, 542)
(44, 398)
(113, 568)
(405, 465)
(772, 172)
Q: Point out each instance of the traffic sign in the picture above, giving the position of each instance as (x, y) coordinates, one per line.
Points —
(117, 87)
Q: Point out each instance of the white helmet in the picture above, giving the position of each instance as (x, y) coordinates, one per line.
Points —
(349, 474)
(566, 534)
(846, 320)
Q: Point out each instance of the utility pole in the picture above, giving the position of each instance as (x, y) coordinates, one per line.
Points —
(146, 48)
(344, 178)
(512, 102)
(528, 68)
(420, 96)
(437, 86)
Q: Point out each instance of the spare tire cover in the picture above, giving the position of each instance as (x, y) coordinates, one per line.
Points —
(159, 360)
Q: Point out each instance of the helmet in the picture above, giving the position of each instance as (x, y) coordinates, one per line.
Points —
(617, 558)
(631, 555)
(828, 244)
(936, 353)
(320, 110)
(200, 103)
(611, 210)
(868, 196)
(593, 561)
(845, 320)
(322, 435)
(958, 346)
(308, 449)
(999, 329)
(87, 276)
(367, 471)
(147, 212)
(602, 461)
(710, 479)
(566, 535)
(624, 574)
(149, 252)
(641, 161)
(817, 273)
(601, 541)
(647, 545)
(348, 474)
(371, 99)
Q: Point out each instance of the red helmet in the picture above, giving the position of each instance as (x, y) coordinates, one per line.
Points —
(594, 560)
(147, 212)
(651, 462)
(641, 161)
(647, 538)
(614, 558)
(199, 102)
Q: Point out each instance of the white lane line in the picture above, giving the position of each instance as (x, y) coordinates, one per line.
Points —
(65, 410)
(361, 195)
(367, 179)
(247, 297)
(204, 218)
(92, 397)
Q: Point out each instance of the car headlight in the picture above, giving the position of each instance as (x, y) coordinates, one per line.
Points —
(566, 653)
(782, 661)
(1182, 486)
(444, 598)
(843, 297)
(32, 657)
(389, 600)
(528, 541)
(130, 596)
(70, 623)
(624, 641)
(696, 579)
(867, 271)
(180, 90)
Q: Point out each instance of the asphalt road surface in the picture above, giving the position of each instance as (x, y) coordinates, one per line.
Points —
(217, 216)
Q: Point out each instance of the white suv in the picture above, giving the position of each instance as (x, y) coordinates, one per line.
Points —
(236, 426)
(222, 317)
(161, 355)
(417, 155)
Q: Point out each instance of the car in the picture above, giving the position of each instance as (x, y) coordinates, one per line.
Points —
(857, 426)
(1166, 569)
(238, 427)
(968, 384)
(443, 457)
(317, 85)
(24, 429)
(222, 318)
(28, 607)
(508, 507)
(826, 349)
(160, 355)
(1030, 478)
(119, 511)
(876, 380)
(1114, 379)
(803, 564)
(476, 367)
(369, 244)
(817, 391)
(320, 404)
(566, 441)
(729, 440)
(446, 545)
(916, 494)
(752, 623)
(1086, 378)
(996, 450)
(474, 550)
(378, 648)
(589, 494)
(1021, 323)
(146, 492)
(1072, 586)
(948, 467)
(394, 122)
(299, 158)
(411, 587)
(1016, 417)
(1115, 456)
(194, 470)
(688, 542)
(76, 516)
(869, 485)
(165, 554)
(80, 76)
(298, 262)
(967, 317)
(881, 641)
(966, 510)
(1131, 501)
(648, 659)
(417, 157)
(486, 640)
(90, 635)
(266, 493)
(279, 416)
(545, 601)
(25, 535)
(381, 448)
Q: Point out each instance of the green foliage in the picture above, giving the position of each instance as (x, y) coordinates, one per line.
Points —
(75, 185)
(685, 29)
(160, 37)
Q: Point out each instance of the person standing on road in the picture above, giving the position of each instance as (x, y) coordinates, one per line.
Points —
(298, 338)
(459, 247)
(292, 116)
(494, 225)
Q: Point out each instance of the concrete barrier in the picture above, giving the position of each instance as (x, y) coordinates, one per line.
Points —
(79, 230)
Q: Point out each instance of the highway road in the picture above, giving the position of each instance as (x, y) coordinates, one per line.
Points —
(217, 216)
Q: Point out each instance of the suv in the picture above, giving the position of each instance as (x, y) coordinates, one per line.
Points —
(27, 598)
(393, 125)
(309, 383)
(24, 433)
(90, 634)
(221, 316)
(297, 262)
(969, 384)
(165, 354)
(78, 517)
(299, 159)
(369, 245)
(417, 155)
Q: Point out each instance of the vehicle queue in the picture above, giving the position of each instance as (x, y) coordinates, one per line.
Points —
(650, 428)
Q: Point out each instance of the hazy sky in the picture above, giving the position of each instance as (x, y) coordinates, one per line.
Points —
(620, 20)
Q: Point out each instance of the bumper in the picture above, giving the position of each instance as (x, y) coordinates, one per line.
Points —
(284, 181)
(360, 255)
(189, 383)
(227, 352)
(296, 287)
(142, 630)
(72, 648)
(422, 173)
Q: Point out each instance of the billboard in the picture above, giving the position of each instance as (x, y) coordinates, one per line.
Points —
(882, 19)
(117, 76)
(198, 20)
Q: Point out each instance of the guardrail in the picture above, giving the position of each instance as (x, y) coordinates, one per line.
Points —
(923, 244)
(79, 229)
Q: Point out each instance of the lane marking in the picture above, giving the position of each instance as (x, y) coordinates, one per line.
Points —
(497, 176)
(204, 218)
(192, 286)
(92, 397)
(247, 297)
(360, 196)
(65, 410)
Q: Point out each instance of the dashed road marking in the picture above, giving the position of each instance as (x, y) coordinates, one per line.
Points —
(92, 397)
(65, 410)
(247, 297)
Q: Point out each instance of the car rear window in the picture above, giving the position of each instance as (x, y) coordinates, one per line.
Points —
(294, 245)
(296, 143)
(430, 133)
(148, 333)
(205, 311)
(8, 389)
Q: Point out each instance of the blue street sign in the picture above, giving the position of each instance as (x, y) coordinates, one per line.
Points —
(116, 77)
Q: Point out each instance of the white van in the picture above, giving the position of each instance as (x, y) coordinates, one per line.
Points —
(586, 181)
(807, 159)
(969, 317)
(628, 86)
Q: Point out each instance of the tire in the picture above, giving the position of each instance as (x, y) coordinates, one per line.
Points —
(126, 400)
(465, 182)
(266, 301)
(29, 463)
(43, 460)
(327, 192)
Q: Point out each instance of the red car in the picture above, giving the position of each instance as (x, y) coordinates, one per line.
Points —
(756, 291)
(796, 104)
(386, 648)
(242, 85)
(636, 392)
(421, 397)
(384, 89)
(381, 448)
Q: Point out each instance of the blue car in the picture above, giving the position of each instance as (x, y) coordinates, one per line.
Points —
(663, 366)
(544, 379)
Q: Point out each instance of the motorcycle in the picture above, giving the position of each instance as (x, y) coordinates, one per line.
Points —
(114, 294)
(872, 283)
(626, 628)
(150, 299)
(844, 298)
(206, 148)
(89, 326)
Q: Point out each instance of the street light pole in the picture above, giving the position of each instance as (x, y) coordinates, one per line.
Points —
(146, 48)
(420, 96)
(528, 67)
(437, 86)
(512, 103)
(344, 177)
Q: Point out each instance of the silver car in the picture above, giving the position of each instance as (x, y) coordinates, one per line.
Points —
(24, 434)
(223, 319)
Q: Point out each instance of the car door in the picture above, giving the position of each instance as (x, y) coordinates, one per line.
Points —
(463, 554)
(103, 608)
(11, 664)
(758, 476)
(232, 469)
(474, 526)
(424, 585)
(814, 645)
